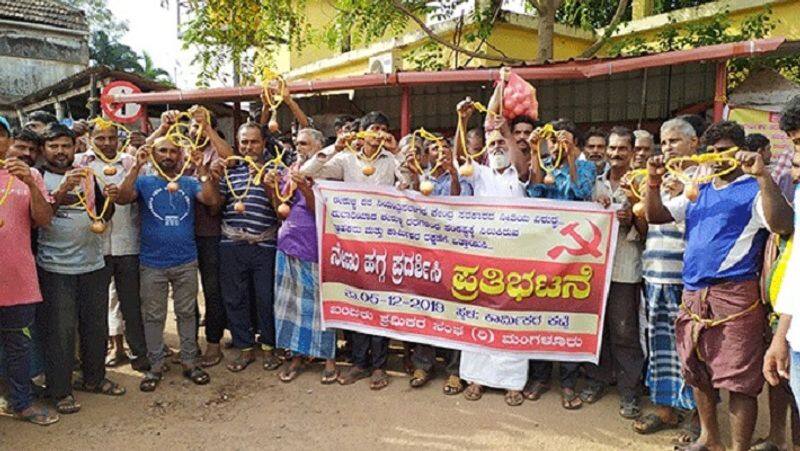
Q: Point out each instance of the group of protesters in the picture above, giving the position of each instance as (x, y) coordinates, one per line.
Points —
(100, 226)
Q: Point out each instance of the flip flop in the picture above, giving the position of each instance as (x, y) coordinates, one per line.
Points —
(652, 423)
(214, 360)
(116, 360)
(420, 378)
(197, 375)
(453, 385)
(241, 362)
(472, 393)
(105, 387)
(514, 398)
(592, 393)
(39, 416)
(289, 373)
(568, 399)
(67, 405)
(379, 380)
(329, 376)
(534, 390)
(764, 444)
(352, 376)
(150, 381)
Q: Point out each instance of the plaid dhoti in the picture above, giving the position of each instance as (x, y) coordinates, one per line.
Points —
(667, 387)
(298, 315)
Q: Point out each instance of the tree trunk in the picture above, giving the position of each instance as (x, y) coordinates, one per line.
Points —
(547, 22)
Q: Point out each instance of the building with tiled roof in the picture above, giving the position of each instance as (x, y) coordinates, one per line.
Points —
(41, 42)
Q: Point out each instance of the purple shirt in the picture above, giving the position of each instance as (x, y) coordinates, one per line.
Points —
(297, 236)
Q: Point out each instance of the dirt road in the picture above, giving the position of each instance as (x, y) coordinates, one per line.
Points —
(254, 410)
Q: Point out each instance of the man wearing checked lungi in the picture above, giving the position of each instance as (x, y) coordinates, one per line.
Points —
(721, 327)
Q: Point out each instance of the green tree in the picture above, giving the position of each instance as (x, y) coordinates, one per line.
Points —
(153, 72)
(99, 17)
(232, 37)
(108, 52)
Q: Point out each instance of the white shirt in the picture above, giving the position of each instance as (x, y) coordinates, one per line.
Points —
(122, 232)
(347, 167)
(495, 370)
(627, 267)
(488, 182)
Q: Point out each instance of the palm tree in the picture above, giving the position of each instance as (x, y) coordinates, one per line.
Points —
(149, 70)
(107, 52)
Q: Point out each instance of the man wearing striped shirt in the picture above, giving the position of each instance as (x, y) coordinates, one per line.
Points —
(247, 253)
(662, 269)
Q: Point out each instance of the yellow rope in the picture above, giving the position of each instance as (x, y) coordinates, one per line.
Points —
(178, 133)
(267, 77)
(547, 132)
(7, 190)
(83, 201)
(462, 132)
(104, 124)
(360, 154)
(248, 161)
(426, 135)
(635, 180)
(675, 166)
(291, 188)
(186, 163)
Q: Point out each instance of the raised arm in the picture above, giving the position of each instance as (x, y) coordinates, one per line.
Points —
(224, 150)
(167, 119)
(777, 211)
(655, 211)
(41, 210)
(325, 165)
(126, 192)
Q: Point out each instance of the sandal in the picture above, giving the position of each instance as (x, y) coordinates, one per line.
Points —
(271, 361)
(690, 432)
(40, 416)
(514, 398)
(329, 376)
(67, 405)
(534, 390)
(568, 398)
(290, 371)
(105, 387)
(352, 376)
(691, 447)
(209, 360)
(116, 360)
(453, 385)
(241, 362)
(592, 393)
(630, 407)
(652, 423)
(197, 375)
(150, 381)
(379, 380)
(474, 392)
(764, 444)
(419, 378)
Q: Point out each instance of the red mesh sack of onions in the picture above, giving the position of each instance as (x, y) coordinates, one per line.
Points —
(519, 98)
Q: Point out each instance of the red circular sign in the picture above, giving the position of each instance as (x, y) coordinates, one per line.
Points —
(124, 113)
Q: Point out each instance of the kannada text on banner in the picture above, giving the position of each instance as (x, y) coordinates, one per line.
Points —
(521, 276)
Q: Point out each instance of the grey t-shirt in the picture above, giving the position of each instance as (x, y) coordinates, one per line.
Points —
(67, 245)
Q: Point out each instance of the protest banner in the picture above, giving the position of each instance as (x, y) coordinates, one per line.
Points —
(521, 276)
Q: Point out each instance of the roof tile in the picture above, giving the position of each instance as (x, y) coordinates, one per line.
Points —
(45, 12)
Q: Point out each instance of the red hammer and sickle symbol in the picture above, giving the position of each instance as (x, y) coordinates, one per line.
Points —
(585, 247)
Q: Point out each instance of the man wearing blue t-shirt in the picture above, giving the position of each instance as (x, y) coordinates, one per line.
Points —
(722, 324)
(168, 254)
